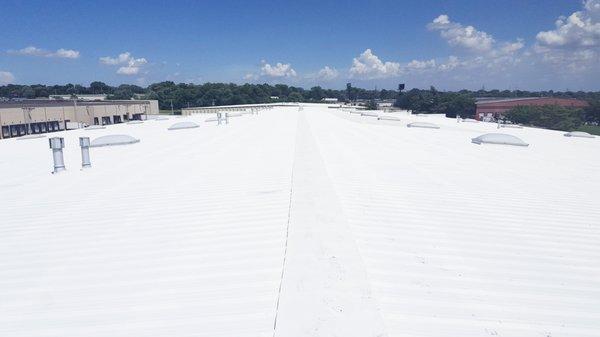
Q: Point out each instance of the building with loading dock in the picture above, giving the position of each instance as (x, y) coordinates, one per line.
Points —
(18, 118)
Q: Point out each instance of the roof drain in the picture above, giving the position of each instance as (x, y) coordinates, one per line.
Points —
(57, 144)
(84, 142)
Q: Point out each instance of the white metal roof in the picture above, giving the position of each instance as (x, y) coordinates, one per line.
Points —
(302, 223)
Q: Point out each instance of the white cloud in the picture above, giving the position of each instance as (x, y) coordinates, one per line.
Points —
(369, 66)
(67, 53)
(327, 74)
(580, 30)
(34, 51)
(417, 65)
(127, 70)
(574, 44)
(130, 65)
(278, 70)
(6, 77)
(509, 48)
(251, 77)
(29, 51)
(452, 63)
(121, 59)
(457, 35)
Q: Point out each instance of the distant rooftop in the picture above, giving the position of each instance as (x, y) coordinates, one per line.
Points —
(17, 103)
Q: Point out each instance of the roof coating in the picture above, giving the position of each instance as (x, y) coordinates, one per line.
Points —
(299, 223)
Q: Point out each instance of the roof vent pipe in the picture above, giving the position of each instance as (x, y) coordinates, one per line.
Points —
(222, 117)
(498, 123)
(57, 144)
(84, 142)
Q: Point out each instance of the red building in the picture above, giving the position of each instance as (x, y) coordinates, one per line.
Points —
(492, 108)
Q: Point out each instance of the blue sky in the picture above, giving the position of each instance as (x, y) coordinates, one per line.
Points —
(452, 45)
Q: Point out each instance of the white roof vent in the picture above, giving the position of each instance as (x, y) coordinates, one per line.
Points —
(422, 125)
(388, 118)
(31, 137)
(111, 140)
(470, 120)
(95, 127)
(183, 125)
(499, 138)
(161, 119)
(212, 119)
(135, 122)
(580, 134)
(513, 126)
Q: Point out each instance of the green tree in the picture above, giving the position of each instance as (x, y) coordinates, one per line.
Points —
(548, 116)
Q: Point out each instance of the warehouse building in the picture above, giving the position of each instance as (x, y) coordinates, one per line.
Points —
(18, 118)
(489, 109)
(81, 97)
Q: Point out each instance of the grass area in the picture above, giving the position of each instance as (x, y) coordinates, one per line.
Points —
(591, 129)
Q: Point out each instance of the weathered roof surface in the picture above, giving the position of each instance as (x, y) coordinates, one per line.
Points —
(302, 223)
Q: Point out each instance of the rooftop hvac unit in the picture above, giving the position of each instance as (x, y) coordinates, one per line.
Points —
(499, 139)
(425, 125)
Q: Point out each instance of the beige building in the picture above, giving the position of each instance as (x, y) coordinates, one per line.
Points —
(18, 118)
(81, 97)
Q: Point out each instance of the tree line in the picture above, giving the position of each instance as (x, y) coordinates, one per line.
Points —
(463, 103)
(181, 95)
